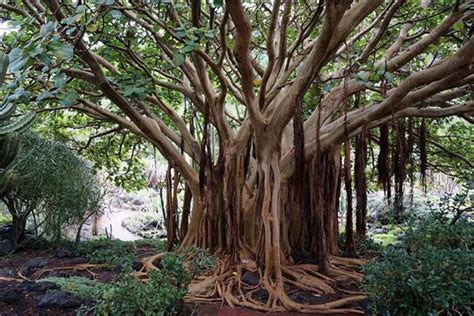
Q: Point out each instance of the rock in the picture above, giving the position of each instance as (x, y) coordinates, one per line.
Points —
(151, 225)
(5, 247)
(59, 299)
(137, 202)
(62, 253)
(306, 297)
(8, 273)
(250, 278)
(79, 260)
(39, 286)
(381, 230)
(10, 296)
(6, 232)
(33, 264)
(401, 236)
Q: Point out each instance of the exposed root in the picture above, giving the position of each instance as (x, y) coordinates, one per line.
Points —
(7, 279)
(226, 285)
(78, 267)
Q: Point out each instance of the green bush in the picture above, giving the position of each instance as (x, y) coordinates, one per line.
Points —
(80, 286)
(163, 294)
(54, 188)
(430, 272)
(109, 251)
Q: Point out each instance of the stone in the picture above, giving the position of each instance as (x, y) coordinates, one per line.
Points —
(6, 232)
(151, 225)
(59, 299)
(6, 247)
(8, 273)
(62, 253)
(35, 263)
(79, 260)
(137, 202)
(39, 286)
(10, 296)
(250, 278)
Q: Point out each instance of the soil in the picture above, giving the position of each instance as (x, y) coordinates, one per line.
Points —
(20, 295)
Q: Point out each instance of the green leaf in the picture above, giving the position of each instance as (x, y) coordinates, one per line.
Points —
(60, 81)
(178, 59)
(44, 95)
(69, 99)
(47, 28)
(458, 26)
(17, 64)
(65, 51)
(116, 14)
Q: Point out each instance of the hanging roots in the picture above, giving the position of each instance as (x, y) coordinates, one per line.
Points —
(225, 285)
(423, 155)
(383, 166)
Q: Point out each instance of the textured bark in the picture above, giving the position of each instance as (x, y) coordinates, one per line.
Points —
(360, 184)
(399, 168)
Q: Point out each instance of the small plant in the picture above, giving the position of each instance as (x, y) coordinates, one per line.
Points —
(80, 286)
(163, 294)
(116, 253)
(430, 272)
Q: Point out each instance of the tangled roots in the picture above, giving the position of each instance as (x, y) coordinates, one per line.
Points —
(226, 284)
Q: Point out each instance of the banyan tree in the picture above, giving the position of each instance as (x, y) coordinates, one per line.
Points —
(263, 109)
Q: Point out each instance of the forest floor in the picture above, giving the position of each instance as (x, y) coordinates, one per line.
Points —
(23, 293)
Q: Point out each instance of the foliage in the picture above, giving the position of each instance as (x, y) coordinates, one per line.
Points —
(161, 295)
(9, 134)
(82, 287)
(114, 252)
(430, 272)
(54, 184)
(198, 261)
(109, 251)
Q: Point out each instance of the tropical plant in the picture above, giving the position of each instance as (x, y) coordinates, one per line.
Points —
(54, 188)
(431, 272)
(9, 133)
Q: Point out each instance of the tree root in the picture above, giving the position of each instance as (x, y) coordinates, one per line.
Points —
(225, 285)
(78, 267)
(7, 279)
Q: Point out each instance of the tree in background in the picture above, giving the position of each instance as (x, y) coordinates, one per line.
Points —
(250, 102)
(53, 187)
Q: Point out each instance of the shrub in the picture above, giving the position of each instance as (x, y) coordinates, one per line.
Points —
(109, 251)
(80, 286)
(163, 294)
(54, 187)
(430, 272)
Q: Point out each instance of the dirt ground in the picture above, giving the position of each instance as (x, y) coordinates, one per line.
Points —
(21, 295)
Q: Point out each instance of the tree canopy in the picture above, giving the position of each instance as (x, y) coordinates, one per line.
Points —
(250, 103)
